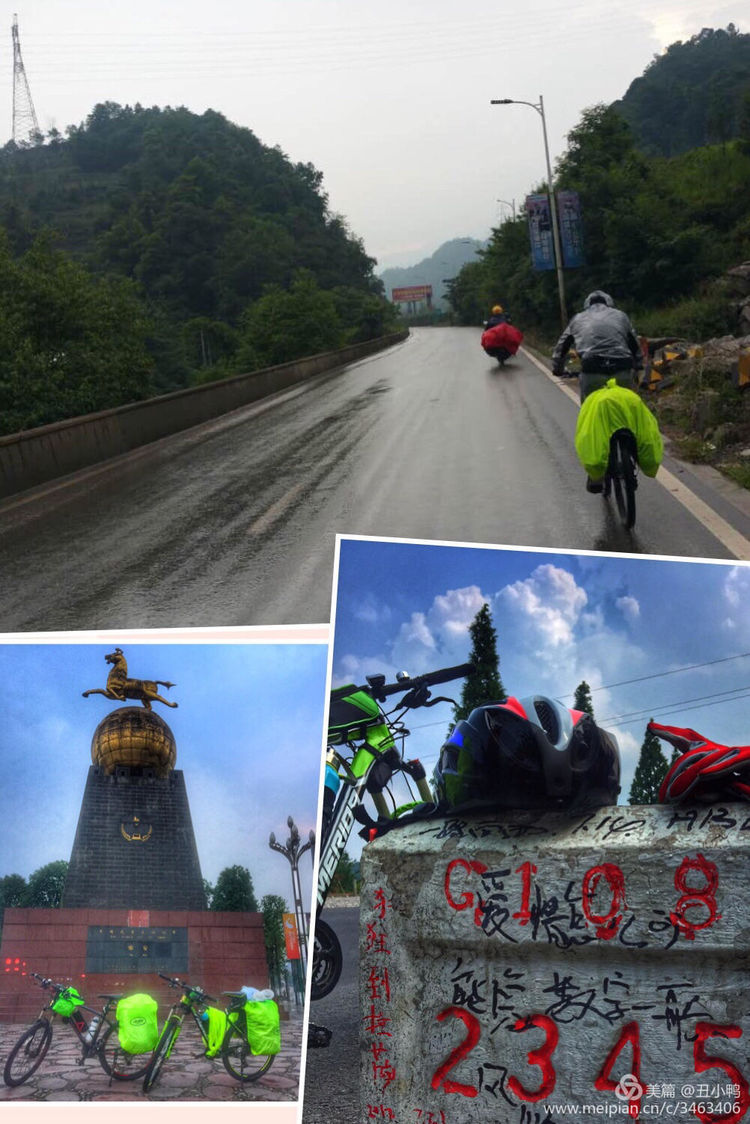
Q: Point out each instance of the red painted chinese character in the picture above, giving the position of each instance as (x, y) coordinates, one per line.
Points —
(376, 1022)
(379, 982)
(381, 903)
(376, 940)
(384, 1072)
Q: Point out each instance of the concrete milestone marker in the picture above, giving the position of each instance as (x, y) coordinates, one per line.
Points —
(530, 969)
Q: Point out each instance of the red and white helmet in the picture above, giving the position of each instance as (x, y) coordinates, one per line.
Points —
(705, 770)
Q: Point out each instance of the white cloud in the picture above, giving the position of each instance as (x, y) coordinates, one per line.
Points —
(629, 607)
(548, 603)
(438, 637)
(737, 587)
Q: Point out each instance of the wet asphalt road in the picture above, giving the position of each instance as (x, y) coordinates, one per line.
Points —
(331, 1083)
(233, 522)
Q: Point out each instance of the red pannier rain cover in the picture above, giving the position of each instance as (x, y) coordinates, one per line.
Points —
(503, 335)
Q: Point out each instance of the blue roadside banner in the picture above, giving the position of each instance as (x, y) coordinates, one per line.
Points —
(571, 229)
(540, 232)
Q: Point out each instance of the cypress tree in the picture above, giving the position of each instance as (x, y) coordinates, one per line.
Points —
(484, 684)
(650, 772)
(582, 700)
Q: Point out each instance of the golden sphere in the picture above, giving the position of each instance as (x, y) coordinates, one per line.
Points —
(135, 737)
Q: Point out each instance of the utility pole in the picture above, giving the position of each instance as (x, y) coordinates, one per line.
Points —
(25, 124)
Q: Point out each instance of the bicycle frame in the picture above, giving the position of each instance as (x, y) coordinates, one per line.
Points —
(377, 732)
(358, 722)
(178, 1011)
(88, 1049)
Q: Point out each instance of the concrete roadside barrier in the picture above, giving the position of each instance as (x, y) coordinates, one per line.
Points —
(531, 968)
(36, 456)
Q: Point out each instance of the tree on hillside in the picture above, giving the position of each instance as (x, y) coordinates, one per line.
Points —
(200, 216)
(483, 685)
(234, 890)
(12, 890)
(45, 886)
(582, 700)
(344, 880)
(72, 344)
(650, 772)
(286, 324)
(273, 907)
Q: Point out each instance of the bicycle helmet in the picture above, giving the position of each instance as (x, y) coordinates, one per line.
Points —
(705, 770)
(497, 309)
(598, 297)
(528, 753)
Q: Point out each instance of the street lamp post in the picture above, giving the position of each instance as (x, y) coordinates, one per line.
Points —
(511, 205)
(555, 228)
(294, 852)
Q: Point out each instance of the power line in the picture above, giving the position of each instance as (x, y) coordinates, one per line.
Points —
(687, 704)
(663, 674)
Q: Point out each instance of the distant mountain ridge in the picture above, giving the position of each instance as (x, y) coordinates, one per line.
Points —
(444, 263)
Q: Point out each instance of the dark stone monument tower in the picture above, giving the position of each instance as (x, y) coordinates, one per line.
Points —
(134, 846)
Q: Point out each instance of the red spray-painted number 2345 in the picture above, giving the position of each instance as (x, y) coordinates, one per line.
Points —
(540, 1058)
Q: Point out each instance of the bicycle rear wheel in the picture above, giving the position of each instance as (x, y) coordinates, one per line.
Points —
(622, 472)
(28, 1053)
(238, 1058)
(118, 1063)
(327, 961)
(167, 1039)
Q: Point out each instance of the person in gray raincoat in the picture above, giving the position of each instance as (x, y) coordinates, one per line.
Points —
(606, 343)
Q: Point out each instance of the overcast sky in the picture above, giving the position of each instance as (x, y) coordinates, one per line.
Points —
(389, 100)
(560, 618)
(248, 729)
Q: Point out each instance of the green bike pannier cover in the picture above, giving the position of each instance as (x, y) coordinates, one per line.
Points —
(217, 1028)
(263, 1028)
(610, 408)
(137, 1028)
(67, 1001)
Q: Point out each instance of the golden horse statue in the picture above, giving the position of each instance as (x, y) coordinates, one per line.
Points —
(120, 688)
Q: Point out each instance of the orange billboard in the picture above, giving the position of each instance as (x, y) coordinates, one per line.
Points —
(291, 937)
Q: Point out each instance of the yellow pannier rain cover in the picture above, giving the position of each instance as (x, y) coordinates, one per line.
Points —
(137, 1027)
(606, 410)
(263, 1026)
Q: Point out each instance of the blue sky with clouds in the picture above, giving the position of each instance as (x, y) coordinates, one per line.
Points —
(560, 618)
(248, 730)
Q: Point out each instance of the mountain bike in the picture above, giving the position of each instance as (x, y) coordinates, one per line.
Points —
(362, 758)
(622, 475)
(239, 1060)
(98, 1038)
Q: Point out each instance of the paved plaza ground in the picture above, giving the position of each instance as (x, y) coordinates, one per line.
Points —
(186, 1076)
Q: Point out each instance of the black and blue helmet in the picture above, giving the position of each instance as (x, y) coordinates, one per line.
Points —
(528, 753)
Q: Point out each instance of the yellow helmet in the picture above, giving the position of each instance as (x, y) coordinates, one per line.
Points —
(496, 308)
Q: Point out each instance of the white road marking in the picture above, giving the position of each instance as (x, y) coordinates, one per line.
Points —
(718, 527)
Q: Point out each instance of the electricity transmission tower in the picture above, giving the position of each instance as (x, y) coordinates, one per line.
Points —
(25, 124)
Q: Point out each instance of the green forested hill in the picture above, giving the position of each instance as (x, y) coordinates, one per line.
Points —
(228, 250)
(696, 93)
(662, 181)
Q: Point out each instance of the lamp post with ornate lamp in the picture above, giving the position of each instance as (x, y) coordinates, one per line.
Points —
(293, 850)
(539, 107)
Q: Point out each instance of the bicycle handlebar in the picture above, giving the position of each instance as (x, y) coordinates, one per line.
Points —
(429, 679)
(189, 989)
(44, 981)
